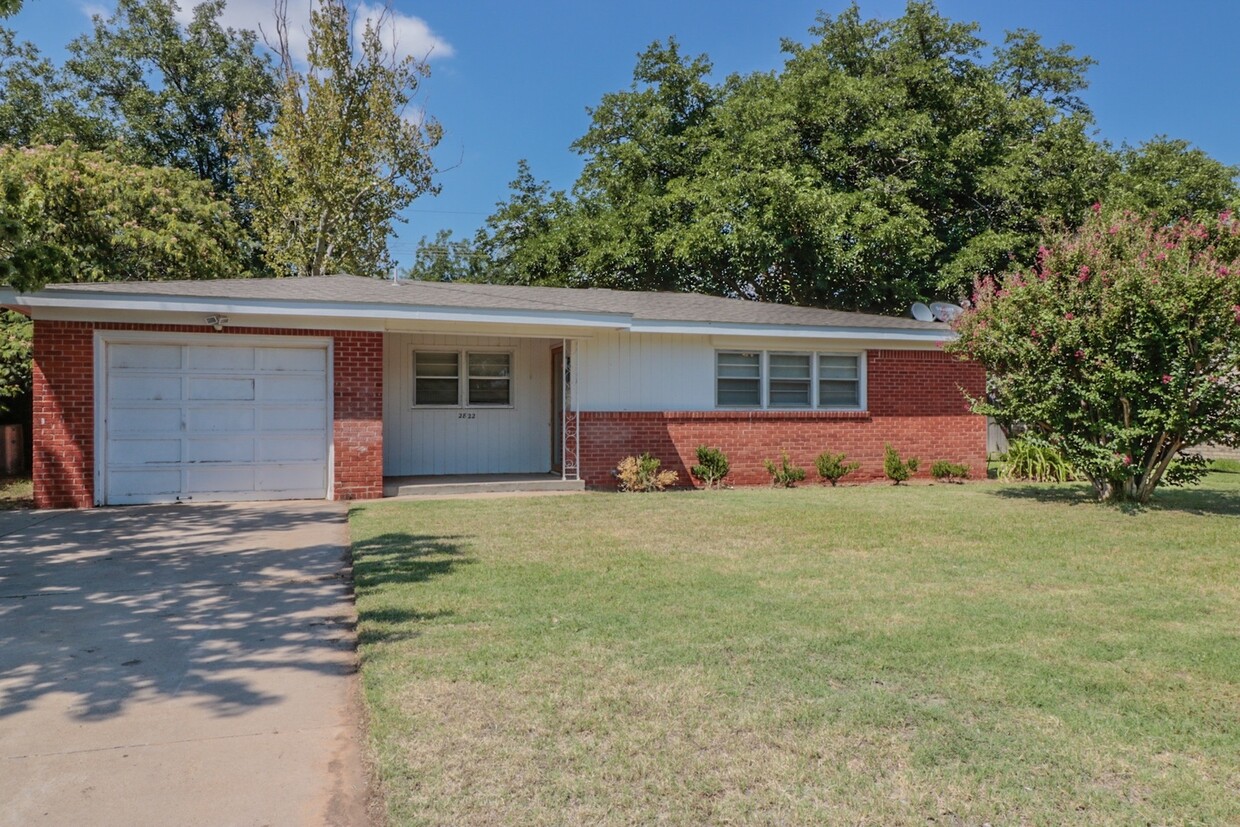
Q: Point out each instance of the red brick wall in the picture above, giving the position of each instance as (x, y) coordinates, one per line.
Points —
(64, 415)
(64, 408)
(915, 403)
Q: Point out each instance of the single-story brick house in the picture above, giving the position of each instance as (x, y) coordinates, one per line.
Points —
(321, 387)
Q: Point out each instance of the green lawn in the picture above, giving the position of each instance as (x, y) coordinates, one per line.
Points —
(15, 493)
(868, 655)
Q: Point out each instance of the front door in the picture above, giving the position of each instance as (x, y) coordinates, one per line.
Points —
(557, 409)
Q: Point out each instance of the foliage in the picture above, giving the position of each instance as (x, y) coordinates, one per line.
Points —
(887, 161)
(344, 155)
(712, 466)
(896, 469)
(832, 467)
(1121, 346)
(785, 474)
(643, 474)
(949, 471)
(1031, 459)
(1170, 180)
(73, 215)
(167, 88)
(444, 258)
(16, 341)
(38, 104)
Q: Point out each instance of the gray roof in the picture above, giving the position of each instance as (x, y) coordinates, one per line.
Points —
(651, 306)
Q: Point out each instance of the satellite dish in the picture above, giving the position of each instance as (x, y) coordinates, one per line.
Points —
(921, 313)
(946, 311)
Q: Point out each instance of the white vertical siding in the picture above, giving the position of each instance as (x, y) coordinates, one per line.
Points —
(621, 371)
(495, 441)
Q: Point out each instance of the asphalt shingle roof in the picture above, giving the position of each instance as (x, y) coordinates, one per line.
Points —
(651, 306)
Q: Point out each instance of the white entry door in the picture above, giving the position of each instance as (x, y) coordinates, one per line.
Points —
(219, 421)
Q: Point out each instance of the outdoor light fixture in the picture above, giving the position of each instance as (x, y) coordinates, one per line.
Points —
(217, 322)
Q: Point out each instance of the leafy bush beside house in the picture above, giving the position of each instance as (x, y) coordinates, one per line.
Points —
(785, 474)
(832, 467)
(712, 466)
(642, 474)
(1121, 345)
(896, 469)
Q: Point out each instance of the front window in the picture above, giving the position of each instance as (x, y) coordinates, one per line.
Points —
(460, 378)
(766, 380)
(839, 381)
(789, 380)
(738, 380)
(436, 378)
(489, 378)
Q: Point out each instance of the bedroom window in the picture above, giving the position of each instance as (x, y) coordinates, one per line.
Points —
(490, 378)
(773, 380)
(738, 380)
(458, 378)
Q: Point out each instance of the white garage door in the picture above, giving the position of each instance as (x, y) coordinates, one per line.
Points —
(214, 422)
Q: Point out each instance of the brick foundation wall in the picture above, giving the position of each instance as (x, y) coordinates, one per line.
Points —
(64, 408)
(915, 403)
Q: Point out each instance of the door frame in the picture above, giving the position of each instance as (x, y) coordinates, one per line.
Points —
(557, 408)
(104, 338)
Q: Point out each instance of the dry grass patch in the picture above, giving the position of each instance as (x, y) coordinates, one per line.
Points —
(870, 655)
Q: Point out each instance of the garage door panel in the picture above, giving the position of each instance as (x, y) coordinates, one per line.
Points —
(282, 359)
(146, 388)
(297, 449)
(215, 422)
(132, 485)
(144, 451)
(292, 388)
(276, 478)
(150, 357)
(218, 479)
(216, 358)
(227, 388)
(219, 450)
(291, 419)
(129, 419)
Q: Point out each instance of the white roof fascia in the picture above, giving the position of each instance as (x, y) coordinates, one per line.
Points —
(265, 307)
(793, 332)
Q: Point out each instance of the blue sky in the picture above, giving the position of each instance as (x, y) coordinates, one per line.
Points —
(513, 80)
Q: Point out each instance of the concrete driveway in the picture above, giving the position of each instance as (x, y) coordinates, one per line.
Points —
(178, 665)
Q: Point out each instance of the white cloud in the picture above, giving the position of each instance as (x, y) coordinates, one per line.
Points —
(407, 34)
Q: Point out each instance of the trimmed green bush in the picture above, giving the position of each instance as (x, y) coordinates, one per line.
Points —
(832, 467)
(784, 475)
(712, 466)
(945, 471)
(896, 469)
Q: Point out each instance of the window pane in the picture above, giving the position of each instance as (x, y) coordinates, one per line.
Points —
(790, 366)
(489, 364)
(738, 365)
(488, 392)
(430, 363)
(435, 392)
(737, 380)
(739, 393)
(839, 393)
(789, 382)
(837, 367)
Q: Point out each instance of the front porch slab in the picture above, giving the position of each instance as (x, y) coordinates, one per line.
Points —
(436, 486)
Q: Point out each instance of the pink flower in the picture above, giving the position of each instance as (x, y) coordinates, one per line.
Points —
(1166, 379)
(1224, 215)
(1127, 460)
(1096, 207)
(1223, 271)
(1082, 275)
(1080, 354)
(1113, 229)
(1160, 257)
(1069, 316)
(1034, 334)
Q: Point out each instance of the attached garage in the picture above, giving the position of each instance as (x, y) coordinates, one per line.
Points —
(211, 418)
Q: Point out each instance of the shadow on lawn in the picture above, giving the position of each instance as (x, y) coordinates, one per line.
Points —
(1192, 500)
(399, 559)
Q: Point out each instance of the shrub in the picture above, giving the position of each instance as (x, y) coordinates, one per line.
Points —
(784, 475)
(1121, 343)
(643, 474)
(1036, 462)
(898, 470)
(949, 471)
(712, 466)
(832, 467)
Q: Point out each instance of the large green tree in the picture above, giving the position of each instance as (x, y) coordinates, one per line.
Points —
(167, 88)
(887, 161)
(1170, 179)
(1120, 346)
(347, 152)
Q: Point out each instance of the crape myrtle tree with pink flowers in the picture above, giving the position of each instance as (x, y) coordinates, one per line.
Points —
(1120, 347)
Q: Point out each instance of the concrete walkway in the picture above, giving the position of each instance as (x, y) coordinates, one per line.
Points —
(178, 665)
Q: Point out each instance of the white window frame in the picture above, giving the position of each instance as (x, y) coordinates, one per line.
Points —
(764, 379)
(462, 378)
